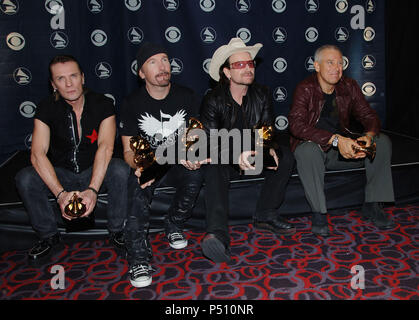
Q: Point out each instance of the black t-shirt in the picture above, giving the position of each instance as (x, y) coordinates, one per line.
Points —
(329, 117)
(238, 121)
(160, 122)
(67, 149)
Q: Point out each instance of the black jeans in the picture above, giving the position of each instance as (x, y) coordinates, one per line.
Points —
(217, 181)
(35, 193)
(188, 184)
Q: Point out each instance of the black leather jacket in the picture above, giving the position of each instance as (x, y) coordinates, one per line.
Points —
(218, 110)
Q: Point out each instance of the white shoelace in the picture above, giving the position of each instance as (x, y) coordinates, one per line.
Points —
(176, 236)
(141, 268)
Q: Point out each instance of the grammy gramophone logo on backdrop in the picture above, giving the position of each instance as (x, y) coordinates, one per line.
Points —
(22, 76)
(9, 7)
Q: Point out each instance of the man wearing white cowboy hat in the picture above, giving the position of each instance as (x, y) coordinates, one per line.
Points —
(237, 102)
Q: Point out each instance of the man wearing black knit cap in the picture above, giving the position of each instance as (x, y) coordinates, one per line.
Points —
(157, 112)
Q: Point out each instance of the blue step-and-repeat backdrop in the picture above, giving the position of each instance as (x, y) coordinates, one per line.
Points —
(106, 34)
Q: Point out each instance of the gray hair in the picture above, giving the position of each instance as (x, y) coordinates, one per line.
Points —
(325, 47)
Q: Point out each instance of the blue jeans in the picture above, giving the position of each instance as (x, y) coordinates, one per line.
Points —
(35, 194)
(188, 184)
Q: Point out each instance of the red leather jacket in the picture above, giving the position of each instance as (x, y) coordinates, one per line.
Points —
(308, 103)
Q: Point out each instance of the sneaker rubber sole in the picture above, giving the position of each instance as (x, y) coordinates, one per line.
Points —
(142, 282)
(179, 244)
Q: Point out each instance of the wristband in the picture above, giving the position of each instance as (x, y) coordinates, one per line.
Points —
(372, 137)
(59, 194)
(94, 190)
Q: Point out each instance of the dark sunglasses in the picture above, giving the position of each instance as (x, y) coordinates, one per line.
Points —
(242, 64)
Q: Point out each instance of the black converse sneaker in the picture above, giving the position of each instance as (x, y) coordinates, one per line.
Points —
(140, 275)
(177, 240)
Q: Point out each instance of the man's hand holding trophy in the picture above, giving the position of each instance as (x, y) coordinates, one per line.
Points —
(144, 158)
(189, 141)
(75, 207)
(265, 139)
(362, 145)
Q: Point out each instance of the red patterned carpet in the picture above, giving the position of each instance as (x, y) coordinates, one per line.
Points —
(264, 267)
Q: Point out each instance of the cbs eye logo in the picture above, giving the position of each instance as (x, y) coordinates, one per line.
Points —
(369, 89)
(244, 34)
(172, 34)
(279, 6)
(27, 109)
(99, 38)
(206, 64)
(345, 63)
(369, 34)
(280, 65)
(311, 34)
(15, 41)
(133, 5)
(281, 122)
(134, 67)
(341, 6)
(207, 5)
(54, 6)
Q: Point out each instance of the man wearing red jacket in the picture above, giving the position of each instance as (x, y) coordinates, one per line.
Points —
(319, 118)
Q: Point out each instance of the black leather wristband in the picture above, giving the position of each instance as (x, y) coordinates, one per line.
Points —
(94, 190)
(59, 194)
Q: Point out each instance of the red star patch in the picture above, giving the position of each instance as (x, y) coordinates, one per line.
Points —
(93, 136)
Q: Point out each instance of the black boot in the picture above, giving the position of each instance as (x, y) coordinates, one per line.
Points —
(319, 225)
(373, 212)
(45, 247)
(279, 226)
(215, 249)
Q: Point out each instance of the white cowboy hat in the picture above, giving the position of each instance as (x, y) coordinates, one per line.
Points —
(224, 52)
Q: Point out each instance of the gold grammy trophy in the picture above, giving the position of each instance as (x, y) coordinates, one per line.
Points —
(370, 151)
(144, 158)
(188, 140)
(75, 207)
(265, 140)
